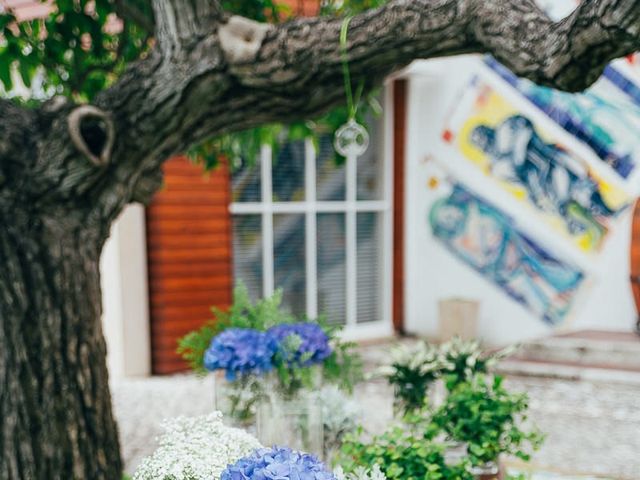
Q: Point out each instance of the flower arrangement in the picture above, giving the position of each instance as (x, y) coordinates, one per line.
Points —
(196, 448)
(277, 463)
(274, 365)
(253, 339)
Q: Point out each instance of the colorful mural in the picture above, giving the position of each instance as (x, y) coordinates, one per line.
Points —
(533, 166)
(604, 117)
(486, 239)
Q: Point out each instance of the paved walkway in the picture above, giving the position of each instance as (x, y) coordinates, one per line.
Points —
(591, 428)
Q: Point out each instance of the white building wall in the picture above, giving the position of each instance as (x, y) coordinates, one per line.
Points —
(125, 316)
(432, 273)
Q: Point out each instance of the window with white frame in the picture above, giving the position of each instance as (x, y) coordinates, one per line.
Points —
(319, 230)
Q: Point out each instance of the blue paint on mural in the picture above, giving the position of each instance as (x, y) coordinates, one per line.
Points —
(520, 156)
(485, 239)
(606, 117)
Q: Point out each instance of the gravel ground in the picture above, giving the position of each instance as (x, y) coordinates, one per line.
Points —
(591, 428)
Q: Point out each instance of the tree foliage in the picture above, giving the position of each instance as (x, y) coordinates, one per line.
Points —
(80, 48)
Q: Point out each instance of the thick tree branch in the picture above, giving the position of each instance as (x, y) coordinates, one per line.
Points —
(211, 74)
(570, 54)
(294, 70)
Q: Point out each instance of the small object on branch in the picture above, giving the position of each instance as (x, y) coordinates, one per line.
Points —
(92, 132)
(54, 104)
(352, 139)
(241, 38)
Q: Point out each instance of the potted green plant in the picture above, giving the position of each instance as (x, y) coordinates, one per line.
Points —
(405, 451)
(486, 417)
(412, 372)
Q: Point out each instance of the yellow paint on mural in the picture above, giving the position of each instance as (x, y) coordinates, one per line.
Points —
(490, 109)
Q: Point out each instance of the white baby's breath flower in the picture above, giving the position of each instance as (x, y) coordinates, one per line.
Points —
(196, 448)
(420, 356)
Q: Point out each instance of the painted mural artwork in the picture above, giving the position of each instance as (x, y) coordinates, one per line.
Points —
(604, 117)
(486, 239)
(533, 166)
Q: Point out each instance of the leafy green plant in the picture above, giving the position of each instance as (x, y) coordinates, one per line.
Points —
(488, 418)
(404, 452)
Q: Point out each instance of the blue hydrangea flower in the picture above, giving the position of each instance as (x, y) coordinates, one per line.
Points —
(241, 351)
(302, 344)
(277, 463)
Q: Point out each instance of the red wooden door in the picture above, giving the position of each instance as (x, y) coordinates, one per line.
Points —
(189, 256)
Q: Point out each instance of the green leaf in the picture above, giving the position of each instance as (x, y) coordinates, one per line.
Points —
(26, 72)
(5, 73)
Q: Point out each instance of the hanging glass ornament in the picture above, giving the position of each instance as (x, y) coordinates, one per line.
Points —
(351, 139)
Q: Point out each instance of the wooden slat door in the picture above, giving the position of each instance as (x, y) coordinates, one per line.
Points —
(189, 256)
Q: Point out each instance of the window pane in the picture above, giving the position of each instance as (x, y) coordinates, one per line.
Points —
(247, 252)
(369, 273)
(370, 163)
(332, 273)
(288, 173)
(245, 181)
(289, 260)
(330, 177)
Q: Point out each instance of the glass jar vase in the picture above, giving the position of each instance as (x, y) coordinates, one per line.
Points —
(292, 419)
(238, 399)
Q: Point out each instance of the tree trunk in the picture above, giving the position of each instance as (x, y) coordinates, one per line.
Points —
(55, 405)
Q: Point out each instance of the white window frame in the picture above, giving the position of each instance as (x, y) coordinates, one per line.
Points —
(351, 206)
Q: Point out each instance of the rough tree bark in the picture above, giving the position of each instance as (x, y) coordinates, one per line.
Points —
(66, 172)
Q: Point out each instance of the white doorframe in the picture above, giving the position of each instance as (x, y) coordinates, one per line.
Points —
(125, 296)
